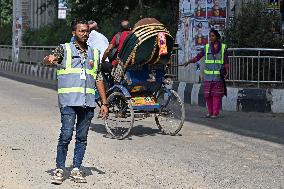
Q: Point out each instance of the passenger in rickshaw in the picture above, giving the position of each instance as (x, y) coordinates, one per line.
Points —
(112, 51)
(115, 46)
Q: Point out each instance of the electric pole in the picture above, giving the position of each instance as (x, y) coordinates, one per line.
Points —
(17, 30)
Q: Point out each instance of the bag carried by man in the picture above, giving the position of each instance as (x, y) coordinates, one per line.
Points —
(113, 51)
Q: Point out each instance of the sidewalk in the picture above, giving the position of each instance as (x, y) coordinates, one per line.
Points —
(238, 99)
(264, 126)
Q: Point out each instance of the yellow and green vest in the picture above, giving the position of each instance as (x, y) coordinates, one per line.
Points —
(213, 63)
(73, 90)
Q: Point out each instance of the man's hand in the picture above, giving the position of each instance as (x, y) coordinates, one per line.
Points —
(104, 111)
(104, 102)
(50, 60)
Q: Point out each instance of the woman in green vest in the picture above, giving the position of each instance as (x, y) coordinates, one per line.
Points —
(215, 72)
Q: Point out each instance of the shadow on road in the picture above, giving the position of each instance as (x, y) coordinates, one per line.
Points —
(265, 126)
(87, 171)
(137, 130)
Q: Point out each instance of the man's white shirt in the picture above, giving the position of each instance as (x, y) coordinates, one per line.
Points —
(99, 41)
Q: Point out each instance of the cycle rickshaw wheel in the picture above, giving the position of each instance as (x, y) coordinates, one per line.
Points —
(171, 115)
(121, 116)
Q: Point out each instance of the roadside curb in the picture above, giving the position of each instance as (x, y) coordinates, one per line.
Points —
(238, 99)
(47, 73)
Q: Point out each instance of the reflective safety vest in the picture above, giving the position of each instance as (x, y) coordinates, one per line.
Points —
(213, 63)
(76, 78)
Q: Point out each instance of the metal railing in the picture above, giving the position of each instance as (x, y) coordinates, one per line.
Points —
(247, 65)
(6, 52)
(256, 66)
(173, 68)
(27, 54)
(35, 54)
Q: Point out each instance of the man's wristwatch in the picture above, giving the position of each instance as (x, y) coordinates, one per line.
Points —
(105, 104)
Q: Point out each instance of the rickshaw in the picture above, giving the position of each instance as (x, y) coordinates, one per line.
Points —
(142, 89)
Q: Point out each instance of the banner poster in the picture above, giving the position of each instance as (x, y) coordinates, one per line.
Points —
(188, 37)
(216, 8)
(201, 30)
(218, 24)
(180, 40)
(188, 8)
(200, 8)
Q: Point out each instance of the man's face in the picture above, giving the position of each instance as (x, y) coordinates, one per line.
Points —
(82, 32)
(93, 26)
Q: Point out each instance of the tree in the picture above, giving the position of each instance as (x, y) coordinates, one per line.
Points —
(254, 27)
(6, 22)
(109, 13)
(6, 9)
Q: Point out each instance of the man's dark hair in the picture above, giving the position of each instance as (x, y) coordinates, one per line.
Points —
(77, 21)
(216, 33)
(125, 25)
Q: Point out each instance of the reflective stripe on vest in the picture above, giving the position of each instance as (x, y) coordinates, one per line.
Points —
(70, 70)
(76, 90)
(211, 72)
(76, 71)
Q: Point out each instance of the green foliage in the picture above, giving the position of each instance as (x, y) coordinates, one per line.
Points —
(58, 32)
(6, 34)
(108, 14)
(6, 12)
(254, 27)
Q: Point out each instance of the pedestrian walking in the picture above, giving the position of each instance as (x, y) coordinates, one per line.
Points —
(77, 76)
(215, 73)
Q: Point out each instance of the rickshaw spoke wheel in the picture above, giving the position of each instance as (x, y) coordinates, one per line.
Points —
(121, 116)
(171, 115)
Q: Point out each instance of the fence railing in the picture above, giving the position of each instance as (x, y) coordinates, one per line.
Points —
(35, 54)
(247, 65)
(6, 52)
(27, 54)
(173, 68)
(256, 65)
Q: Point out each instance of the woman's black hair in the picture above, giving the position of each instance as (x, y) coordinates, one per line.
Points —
(77, 21)
(216, 33)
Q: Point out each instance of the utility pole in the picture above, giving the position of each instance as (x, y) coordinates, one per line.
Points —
(17, 30)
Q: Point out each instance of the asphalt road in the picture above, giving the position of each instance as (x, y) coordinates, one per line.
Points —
(240, 150)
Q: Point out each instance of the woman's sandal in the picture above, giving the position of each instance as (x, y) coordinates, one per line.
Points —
(208, 116)
(215, 116)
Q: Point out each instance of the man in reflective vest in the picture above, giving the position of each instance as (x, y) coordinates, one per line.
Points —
(77, 76)
(215, 73)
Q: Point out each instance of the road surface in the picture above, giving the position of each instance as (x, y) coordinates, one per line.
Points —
(240, 150)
